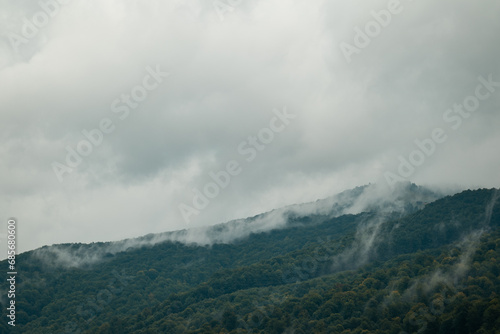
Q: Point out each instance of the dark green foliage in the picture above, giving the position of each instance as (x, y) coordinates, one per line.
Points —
(435, 270)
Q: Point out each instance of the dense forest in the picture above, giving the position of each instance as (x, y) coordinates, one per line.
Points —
(428, 268)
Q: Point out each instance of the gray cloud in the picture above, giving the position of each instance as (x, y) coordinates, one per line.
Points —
(353, 119)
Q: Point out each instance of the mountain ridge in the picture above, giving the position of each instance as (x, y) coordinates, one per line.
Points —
(356, 200)
(179, 288)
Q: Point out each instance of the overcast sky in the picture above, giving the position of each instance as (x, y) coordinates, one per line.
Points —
(303, 99)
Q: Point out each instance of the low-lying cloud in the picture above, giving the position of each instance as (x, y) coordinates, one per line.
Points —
(354, 119)
(361, 199)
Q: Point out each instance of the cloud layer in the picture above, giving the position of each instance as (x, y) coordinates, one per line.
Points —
(229, 68)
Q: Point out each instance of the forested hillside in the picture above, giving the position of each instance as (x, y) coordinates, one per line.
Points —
(423, 268)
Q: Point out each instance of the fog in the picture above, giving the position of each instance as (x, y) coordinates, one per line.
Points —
(372, 197)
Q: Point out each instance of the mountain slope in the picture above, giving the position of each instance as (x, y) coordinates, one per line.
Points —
(176, 287)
